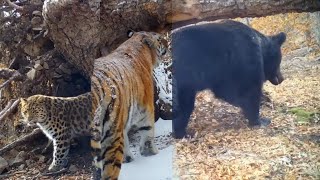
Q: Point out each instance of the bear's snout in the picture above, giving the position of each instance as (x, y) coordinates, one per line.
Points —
(277, 79)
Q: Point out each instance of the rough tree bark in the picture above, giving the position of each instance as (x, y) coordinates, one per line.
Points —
(80, 29)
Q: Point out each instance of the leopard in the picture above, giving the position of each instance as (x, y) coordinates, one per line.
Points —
(61, 119)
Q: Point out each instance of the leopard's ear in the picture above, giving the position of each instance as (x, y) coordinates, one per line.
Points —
(23, 101)
(130, 33)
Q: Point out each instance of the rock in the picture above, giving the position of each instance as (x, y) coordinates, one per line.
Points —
(29, 37)
(65, 69)
(37, 13)
(36, 21)
(3, 164)
(19, 159)
(29, 162)
(67, 78)
(10, 155)
(37, 28)
(31, 74)
(32, 49)
(46, 65)
(14, 152)
(17, 38)
(57, 61)
(56, 75)
(37, 62)
(41, 159)
(50, 63)
(36, 2)
(38, 67)
(21, 167)
(61, 82)
(59, 71)
(73, 168)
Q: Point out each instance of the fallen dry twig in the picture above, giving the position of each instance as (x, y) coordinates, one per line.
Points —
(3, 176)
(34, 134)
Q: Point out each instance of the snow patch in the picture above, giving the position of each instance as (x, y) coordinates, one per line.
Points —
(156, 167)
(163, 82)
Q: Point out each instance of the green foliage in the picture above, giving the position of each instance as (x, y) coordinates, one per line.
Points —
(304, 116)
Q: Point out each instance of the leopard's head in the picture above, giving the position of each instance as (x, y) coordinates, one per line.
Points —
(33, 110)
(154, 41)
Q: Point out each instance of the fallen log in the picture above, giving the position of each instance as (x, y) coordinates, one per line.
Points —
(31, 136)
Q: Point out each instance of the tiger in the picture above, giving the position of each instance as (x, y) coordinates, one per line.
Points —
(122, 98)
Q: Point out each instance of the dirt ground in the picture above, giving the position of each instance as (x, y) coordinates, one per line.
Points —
(36, 163)
(224, 147)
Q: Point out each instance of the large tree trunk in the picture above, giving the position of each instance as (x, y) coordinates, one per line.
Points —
(80, 29)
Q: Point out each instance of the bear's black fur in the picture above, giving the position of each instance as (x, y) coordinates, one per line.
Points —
(227, 57)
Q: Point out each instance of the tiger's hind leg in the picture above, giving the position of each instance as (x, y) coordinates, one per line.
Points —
(128, 156)
(107, 142)
(146, 131)
(108, 156)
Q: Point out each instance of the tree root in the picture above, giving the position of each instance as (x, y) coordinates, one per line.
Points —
(63, 170)
(35, 133)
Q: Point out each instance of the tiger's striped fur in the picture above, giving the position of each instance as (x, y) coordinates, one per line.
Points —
(122, 98)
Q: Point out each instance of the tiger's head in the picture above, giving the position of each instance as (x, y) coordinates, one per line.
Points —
(154, 41)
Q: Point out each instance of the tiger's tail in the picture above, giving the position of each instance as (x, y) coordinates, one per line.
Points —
(107, 140)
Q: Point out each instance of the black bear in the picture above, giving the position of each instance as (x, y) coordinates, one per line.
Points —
(227, 57)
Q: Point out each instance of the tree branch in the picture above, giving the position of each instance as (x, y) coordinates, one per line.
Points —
(6, 83)
(10, 75)
(6, 73)
(9, 108)
(11, 4)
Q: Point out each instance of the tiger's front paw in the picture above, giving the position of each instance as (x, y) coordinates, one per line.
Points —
(127, 159)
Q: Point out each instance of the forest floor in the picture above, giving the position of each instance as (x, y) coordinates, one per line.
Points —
(224, 147)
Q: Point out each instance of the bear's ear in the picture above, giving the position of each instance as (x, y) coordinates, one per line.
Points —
(130, 33)
(279, 38)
